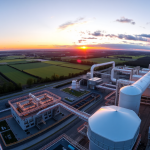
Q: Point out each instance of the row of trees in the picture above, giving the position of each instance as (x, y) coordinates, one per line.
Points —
(54, 77)
(9, 87)
(142, 62)
(77, 61)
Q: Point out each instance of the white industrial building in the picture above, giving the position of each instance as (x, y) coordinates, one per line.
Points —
(25, 109)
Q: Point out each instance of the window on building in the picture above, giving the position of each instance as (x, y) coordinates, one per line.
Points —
(49, 112)
(30, 120)
(26, 122)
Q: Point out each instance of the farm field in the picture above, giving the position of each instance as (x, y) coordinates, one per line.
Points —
(51, 70)
(15, 75)
(54, 62)
(77, 66)
(3, 80)
(103, 60)
(14, 61)
(11, 60)
(133, 57)
(14, 57)
(30, 66)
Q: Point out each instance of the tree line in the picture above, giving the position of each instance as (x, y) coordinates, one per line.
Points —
(10, 87)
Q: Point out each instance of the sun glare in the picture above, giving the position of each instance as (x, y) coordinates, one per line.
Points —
(83, 47)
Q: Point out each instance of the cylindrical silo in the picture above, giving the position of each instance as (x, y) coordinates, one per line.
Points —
(113, 128)
(130, 97)
(74, 82)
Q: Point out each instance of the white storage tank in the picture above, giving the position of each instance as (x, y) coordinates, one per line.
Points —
(88, 75)
(130, 97)
(74, 82)
(113, 128)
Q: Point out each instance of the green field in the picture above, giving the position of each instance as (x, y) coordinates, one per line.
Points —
(3, 80)
(133, 57)
(15, 61)
(77, 66)
(54, 62)
(30, 66)
(15, 75)
(51, 70)
(14, 57)
(11, 60)
(103, 60)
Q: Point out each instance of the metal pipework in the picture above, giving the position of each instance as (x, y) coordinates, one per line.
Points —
(103, 64)
(77, 112)
(130, 96)
(116, 69)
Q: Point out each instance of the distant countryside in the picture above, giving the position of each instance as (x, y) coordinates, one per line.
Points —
(26, 70)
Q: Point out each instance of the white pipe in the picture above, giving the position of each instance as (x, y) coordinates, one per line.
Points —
(145, 69)
(5, 110)
(143, 82)
(77, 112)
(130, 96)
(102, 64)
(110, 85)
(116, 69)
(34, 98)
(106, 88)
(142, 72)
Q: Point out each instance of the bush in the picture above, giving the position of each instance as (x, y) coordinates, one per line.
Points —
(30, 82)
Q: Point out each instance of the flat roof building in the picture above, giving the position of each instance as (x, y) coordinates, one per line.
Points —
(25, 109)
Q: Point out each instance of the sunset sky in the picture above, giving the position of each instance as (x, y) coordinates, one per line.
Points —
(71, 24)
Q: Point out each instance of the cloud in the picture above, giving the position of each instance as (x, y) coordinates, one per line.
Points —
(89, 38)
(142, 27)
(125, 20)
(70, 23)
(121, 46)
(111, 35)
(96, 33)
(127, 37)
(145, 35)
(148, 23)
(80, 41)
(131, 37)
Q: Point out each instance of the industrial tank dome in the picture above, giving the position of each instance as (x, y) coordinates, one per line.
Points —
(113, 127)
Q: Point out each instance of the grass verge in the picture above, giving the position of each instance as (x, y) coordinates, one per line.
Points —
(74, 92)
(8, 137)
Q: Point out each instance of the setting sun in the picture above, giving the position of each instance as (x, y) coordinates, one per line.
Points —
(83, 47)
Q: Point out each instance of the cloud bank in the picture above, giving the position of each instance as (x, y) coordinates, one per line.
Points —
(125, 20)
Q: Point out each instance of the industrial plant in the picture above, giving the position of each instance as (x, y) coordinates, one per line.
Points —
(113, 126)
